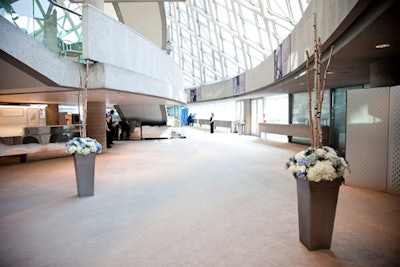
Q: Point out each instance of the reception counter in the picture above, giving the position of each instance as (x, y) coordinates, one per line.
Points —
(50, 134)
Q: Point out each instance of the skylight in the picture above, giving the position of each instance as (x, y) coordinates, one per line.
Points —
(215, 40)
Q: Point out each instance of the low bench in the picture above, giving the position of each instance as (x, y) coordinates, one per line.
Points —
(13, 159)
(228, 125)
(290, 130)
(13, 154)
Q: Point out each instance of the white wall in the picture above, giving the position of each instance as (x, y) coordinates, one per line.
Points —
(372, 138)
(13, 119)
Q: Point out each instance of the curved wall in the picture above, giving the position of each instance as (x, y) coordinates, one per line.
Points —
(126, 60)
(330, 16)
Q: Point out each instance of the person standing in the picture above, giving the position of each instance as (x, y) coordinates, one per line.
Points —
(125, 130)
(212, 123)
(189, 119)
(113, 127)
(108, 130)
(193, 118)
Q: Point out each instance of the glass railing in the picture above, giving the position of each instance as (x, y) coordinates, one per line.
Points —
(56, 25)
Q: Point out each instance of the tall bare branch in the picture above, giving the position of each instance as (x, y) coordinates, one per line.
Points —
(83, 96)
(309, 89)
(316, 135)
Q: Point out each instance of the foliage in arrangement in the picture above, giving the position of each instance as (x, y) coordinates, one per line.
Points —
(83, 145)
(316, 164)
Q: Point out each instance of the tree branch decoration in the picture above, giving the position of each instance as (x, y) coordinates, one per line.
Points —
(314, 113)
(83, 100)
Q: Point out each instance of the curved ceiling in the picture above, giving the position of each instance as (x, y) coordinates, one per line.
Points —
(214, 40)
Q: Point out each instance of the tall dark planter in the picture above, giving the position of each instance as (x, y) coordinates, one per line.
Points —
(84, 172)
(316, 210)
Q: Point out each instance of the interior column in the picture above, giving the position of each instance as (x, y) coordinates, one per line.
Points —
(96, 122)
(52, 116)
(247, 116)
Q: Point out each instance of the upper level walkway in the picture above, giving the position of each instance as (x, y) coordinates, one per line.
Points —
(208, 200)
(124, 69)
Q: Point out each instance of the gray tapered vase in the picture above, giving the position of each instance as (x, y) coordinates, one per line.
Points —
(316, 210)
(84, 172)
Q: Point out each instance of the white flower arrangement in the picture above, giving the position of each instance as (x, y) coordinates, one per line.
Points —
(316, 164)
(83, 145)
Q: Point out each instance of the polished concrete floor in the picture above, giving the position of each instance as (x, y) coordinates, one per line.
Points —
(208, 200)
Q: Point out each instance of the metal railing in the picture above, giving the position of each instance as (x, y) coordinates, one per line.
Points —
(56, 26)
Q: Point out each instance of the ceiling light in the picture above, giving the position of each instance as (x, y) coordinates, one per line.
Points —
(380, 46)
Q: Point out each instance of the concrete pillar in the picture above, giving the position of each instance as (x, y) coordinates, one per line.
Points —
(96, 122)
(99, 4)
(247, 116)
(385, 73)
(50, 32)
(52, 114)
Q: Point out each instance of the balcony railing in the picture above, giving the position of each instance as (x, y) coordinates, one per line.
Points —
(57, 26)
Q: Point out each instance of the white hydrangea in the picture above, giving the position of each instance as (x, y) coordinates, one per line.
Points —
(292, 168)
(320, 152)
(316, 164)
(322, 170)
(299, 155)
(83, 146)
(71, 149)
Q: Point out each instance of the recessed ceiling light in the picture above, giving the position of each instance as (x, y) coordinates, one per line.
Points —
(380, 46)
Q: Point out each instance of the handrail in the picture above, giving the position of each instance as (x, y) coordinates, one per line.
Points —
(63, 7)
(68, 40)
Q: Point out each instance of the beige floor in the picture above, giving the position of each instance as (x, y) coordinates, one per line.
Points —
(207, 200)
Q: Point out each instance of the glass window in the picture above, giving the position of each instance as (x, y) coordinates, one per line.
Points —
(243, 33)
(277, 109)
(339, 118)
(300, 109)
(300, 112)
